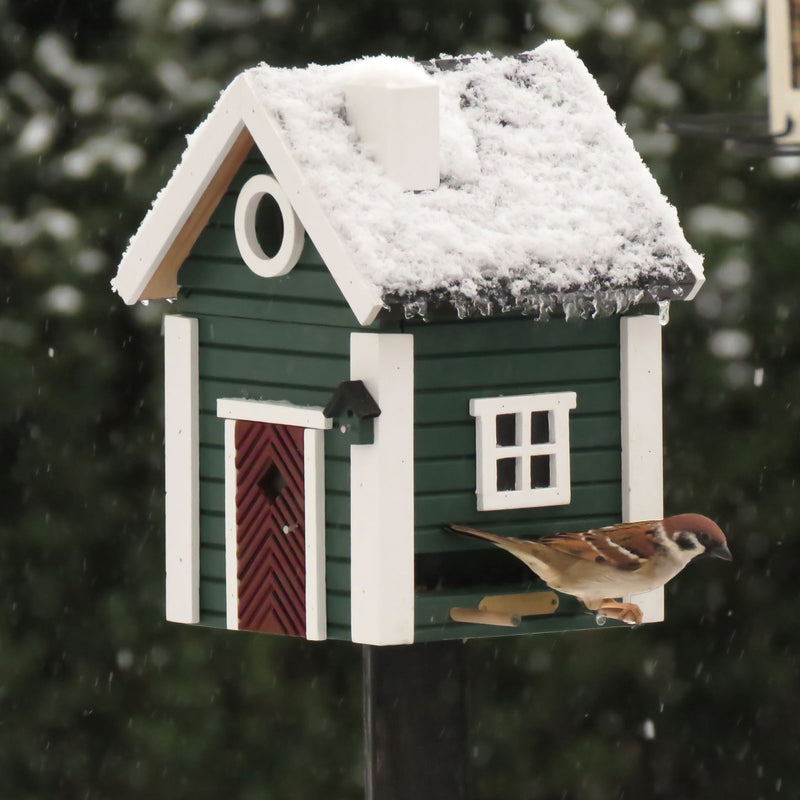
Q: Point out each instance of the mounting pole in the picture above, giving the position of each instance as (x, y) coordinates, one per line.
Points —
(415, 721)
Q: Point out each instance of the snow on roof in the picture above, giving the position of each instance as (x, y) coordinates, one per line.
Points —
(543, 197)
(543, 201)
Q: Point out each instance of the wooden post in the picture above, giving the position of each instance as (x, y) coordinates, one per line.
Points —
(415, 721)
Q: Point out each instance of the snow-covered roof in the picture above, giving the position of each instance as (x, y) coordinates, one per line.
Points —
(543, 200)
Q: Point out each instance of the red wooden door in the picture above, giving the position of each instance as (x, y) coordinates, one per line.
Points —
(270, 528)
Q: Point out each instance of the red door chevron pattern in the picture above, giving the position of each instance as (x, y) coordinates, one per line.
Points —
(270, 528)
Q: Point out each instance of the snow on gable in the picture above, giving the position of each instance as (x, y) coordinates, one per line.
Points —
(543, 199)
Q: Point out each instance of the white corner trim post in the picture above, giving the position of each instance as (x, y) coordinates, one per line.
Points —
(382, 494)
(182, 472)
(642, 442)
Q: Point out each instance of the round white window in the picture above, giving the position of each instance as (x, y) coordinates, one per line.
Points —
(269, 234)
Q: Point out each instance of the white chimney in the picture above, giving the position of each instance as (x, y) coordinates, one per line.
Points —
(397, 121)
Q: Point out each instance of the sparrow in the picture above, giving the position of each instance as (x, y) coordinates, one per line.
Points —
(600, 565)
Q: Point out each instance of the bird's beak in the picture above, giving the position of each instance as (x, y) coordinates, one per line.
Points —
(721, 551)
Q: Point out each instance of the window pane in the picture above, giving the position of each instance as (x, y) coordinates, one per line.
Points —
(506, 430)
(506, 474)
(540, 472)
(540, 427)
(269, 226)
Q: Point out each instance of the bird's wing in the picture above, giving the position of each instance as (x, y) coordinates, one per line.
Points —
(639, 538)
(625, 547)
(597, 547)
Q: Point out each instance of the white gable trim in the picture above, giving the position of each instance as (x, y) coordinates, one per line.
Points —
(238, 116)
(642, 445)
(362, 298)
(208, 148)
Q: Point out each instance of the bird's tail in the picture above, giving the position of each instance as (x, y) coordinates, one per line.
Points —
(528, 551)
(501, 541)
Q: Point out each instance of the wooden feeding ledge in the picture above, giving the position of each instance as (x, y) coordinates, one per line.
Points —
(507, 610)
(406, 295)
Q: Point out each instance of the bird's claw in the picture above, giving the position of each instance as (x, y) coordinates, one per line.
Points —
(629, 613)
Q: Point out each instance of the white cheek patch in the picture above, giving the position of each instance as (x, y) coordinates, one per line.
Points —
(684, 547)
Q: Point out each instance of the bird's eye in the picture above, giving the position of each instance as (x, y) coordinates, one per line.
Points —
(702, 537)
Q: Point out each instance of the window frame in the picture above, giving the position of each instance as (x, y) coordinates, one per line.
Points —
(488, 453)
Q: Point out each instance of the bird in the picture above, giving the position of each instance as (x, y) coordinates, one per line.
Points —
(600, 565)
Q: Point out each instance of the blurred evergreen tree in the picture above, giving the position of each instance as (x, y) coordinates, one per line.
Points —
(99, 698)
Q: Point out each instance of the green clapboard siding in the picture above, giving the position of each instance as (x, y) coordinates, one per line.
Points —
(287, 339)
(460, 360)
(284, 338)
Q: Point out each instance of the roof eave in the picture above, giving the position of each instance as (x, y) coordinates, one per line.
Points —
(581, 302)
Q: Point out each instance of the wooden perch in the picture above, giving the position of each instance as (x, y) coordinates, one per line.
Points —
(524, 605)
(484, 617)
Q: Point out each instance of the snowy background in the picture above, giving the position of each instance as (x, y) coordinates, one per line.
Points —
(99, 698)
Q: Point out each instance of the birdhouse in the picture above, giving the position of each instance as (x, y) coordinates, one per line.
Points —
(405, 295)
(783, 63)
(776, 130)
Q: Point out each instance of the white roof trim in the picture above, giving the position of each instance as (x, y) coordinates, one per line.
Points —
(362, 298)
(238, 108)
(170, 212)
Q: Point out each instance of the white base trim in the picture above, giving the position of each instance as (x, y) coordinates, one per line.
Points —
(182, 469)
(382, 494)
(642, 444)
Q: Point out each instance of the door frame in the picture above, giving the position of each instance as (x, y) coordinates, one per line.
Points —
(314, 423)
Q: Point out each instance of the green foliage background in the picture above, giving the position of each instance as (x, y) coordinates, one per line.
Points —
(99, 698)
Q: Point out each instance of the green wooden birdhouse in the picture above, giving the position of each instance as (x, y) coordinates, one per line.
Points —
(405, 295)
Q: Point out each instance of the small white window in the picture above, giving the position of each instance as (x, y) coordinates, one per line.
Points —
(522, 450)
